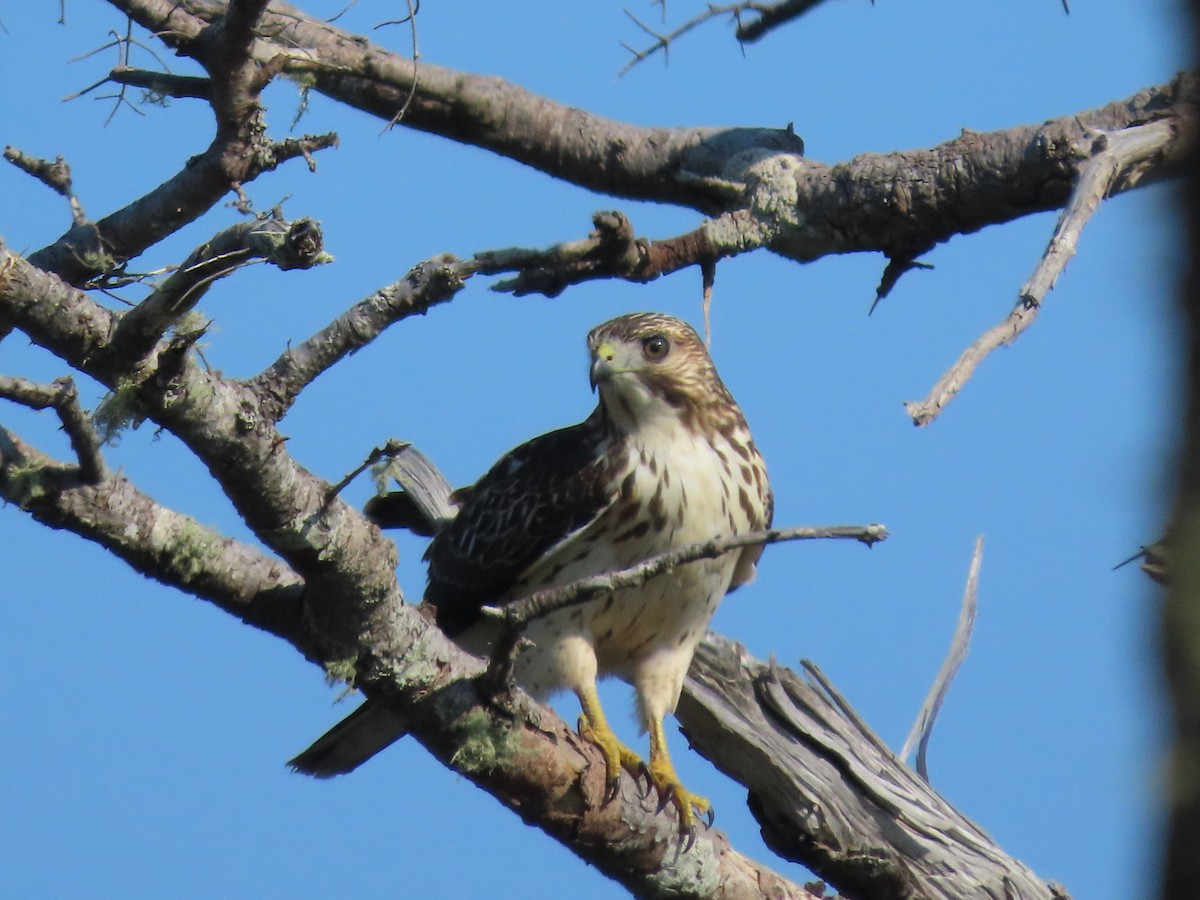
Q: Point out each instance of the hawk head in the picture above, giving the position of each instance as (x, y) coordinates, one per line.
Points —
(650, 366)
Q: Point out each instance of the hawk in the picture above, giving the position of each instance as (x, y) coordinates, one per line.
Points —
(664, 461)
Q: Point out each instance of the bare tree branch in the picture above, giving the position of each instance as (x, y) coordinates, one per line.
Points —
(239, 153)
(522, 611)
(426, 285)
(829, 794)
(163, 83)
(64, 399)
(158, 542)
(610, 251)
(55, 175)
(288, 245)
(753, 19)
(763, 192)
(1116, 158)
(922, 728)
(771, 16)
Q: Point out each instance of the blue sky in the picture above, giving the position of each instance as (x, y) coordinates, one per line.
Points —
(145, 732)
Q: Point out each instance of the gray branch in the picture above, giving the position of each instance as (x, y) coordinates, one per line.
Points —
(520, 612)
(828, 792)
(62, 397)
(288, 245)
(922, 728)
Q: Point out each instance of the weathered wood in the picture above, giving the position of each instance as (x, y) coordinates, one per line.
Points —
(829, 794)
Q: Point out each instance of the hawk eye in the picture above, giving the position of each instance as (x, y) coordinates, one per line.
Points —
(656, 347)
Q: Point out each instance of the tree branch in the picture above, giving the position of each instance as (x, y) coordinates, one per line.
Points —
(1117, 158)
(239, 153)
(901, 204)
(829, 794)
(155, 541)
(165, 84)
(922, 728)
(432, 282)
(522, 611)
(55, 175)
(610, 251)
(288, 245)
(64, 399)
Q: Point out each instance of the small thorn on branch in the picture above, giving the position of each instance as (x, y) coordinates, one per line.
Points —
(897, 266)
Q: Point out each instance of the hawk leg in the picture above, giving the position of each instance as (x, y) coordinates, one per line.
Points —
(662, 773)
(594, 727)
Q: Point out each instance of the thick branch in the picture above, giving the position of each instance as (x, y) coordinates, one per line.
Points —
(829, 794)
(602, 154)
(349, 568)
(158, 542)
(901, 204)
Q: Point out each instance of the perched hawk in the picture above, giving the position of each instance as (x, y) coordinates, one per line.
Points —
(665, 460)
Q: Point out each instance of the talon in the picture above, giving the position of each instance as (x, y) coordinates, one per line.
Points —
(617, 756)
(643, 771)
(689, 839)
(671, 790)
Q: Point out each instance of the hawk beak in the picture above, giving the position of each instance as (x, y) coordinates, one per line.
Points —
(602, 364)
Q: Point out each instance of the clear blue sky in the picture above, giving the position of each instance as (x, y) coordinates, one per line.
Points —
(145, 732)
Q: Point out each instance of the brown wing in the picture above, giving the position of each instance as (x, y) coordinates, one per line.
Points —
(535, 497)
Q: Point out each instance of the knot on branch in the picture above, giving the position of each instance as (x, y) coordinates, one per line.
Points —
(437, 279)
(611, 250)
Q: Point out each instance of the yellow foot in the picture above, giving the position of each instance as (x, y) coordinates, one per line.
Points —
(671, 790)
(616, 755)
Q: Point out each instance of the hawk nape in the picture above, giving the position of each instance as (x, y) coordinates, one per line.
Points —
(664, 461)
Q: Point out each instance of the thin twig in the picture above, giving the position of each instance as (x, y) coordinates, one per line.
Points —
(923, 726)
(61, 396)
(389, 450)
(411, 19)
(768, 16)
(1114, 158)
(663, 41)
(523, 610)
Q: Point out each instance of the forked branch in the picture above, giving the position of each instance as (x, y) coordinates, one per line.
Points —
(1117, 160)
